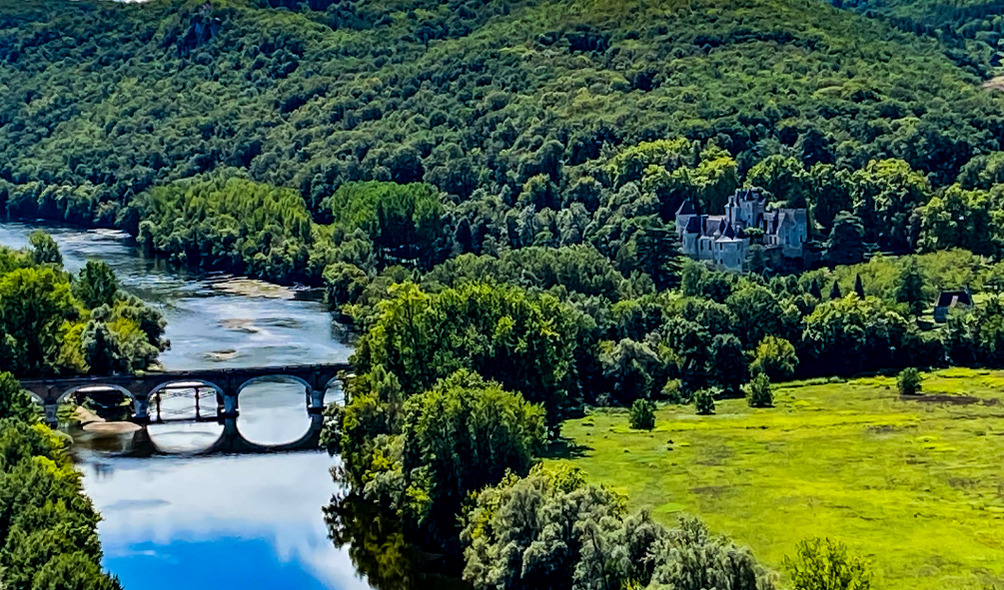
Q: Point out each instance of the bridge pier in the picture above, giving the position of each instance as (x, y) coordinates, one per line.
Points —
(52, 415)
(230, 409)
(141, 408)
(315, 402)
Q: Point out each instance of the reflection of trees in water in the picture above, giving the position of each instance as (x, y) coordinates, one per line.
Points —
(379, 551)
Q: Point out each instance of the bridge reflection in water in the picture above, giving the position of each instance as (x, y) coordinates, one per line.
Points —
(216, 394)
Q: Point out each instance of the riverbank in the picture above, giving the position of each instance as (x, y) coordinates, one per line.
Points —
(912, 483)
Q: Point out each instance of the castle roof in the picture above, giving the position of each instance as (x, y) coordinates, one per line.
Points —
(687, 208)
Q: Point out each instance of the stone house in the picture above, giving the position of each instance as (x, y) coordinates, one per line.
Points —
(723, 239)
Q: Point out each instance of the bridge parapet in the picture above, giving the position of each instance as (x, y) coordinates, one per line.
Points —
(228, 383)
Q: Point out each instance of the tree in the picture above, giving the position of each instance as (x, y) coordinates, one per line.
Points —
(853, 335)
(859, 287)
(34, 304)
(758, 392)
(704, 402)
(783, 177)
(774, 357)
(756, 311)
(657, 254)
(727, 363)
(463, 434)
(632, 367)
(15, 402)
(553, 530)
(642, 415)
(814, 289)
(911, 288)
(908, 381)
(957, 218)
(824, 564)
(102, 351)
(408, 221)
(835, 291)
(96, 284)
(527, 342)
(885, 193)
(847, 240)
(830, 193)
(44, 249)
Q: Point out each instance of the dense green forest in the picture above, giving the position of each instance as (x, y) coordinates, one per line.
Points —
(524, 101)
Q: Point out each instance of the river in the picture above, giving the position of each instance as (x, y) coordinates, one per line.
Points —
(250, 522)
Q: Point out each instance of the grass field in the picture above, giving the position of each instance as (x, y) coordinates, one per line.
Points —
(915, 485)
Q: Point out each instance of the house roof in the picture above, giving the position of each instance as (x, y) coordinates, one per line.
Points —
(694, 225)
(953, 298)
(687, 208)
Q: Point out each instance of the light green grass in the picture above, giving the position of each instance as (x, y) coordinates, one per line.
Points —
(915, 486)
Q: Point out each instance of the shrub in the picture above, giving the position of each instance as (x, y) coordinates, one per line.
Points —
(909, 381)
(822, 563)
(673, 392)
(774, 356)
(704, 401)
(642, 415)
(758, 393)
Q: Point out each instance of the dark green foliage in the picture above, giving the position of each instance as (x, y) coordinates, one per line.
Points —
(96, 285)
(835, 292)
(48, 528)
(814, 289)
(657, 254)
(633, 368)
(478, 98)
(458, 437)
(49, 325)
(758, 392)
(15, 402)
(854, 334)
(525, 342)
(404, 222)
(642, 415)
(847, 240)
(727, 364)
(704, 402)
(859, 287)
(421, 455)
(822, 563)
(44, 249)
(579, 269)
(908, 381)
(553, 530)
(229, 223)
(911, 289)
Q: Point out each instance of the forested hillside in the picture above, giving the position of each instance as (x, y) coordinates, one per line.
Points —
(100, 101)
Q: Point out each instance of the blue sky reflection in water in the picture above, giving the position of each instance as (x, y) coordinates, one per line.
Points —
(216, 523)
(219, 522)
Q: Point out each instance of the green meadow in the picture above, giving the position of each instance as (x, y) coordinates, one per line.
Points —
(915, 485)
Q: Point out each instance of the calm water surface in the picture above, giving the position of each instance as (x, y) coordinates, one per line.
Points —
(250, 522)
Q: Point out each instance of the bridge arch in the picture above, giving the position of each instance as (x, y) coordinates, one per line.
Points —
(96, 386)
(277, 378)
(184, 383)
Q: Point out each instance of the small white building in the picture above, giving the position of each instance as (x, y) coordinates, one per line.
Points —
(722, 239)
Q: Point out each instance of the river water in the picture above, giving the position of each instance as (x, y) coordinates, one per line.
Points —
(250, 522)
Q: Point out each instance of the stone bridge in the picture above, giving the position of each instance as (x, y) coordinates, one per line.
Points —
(228, 384)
